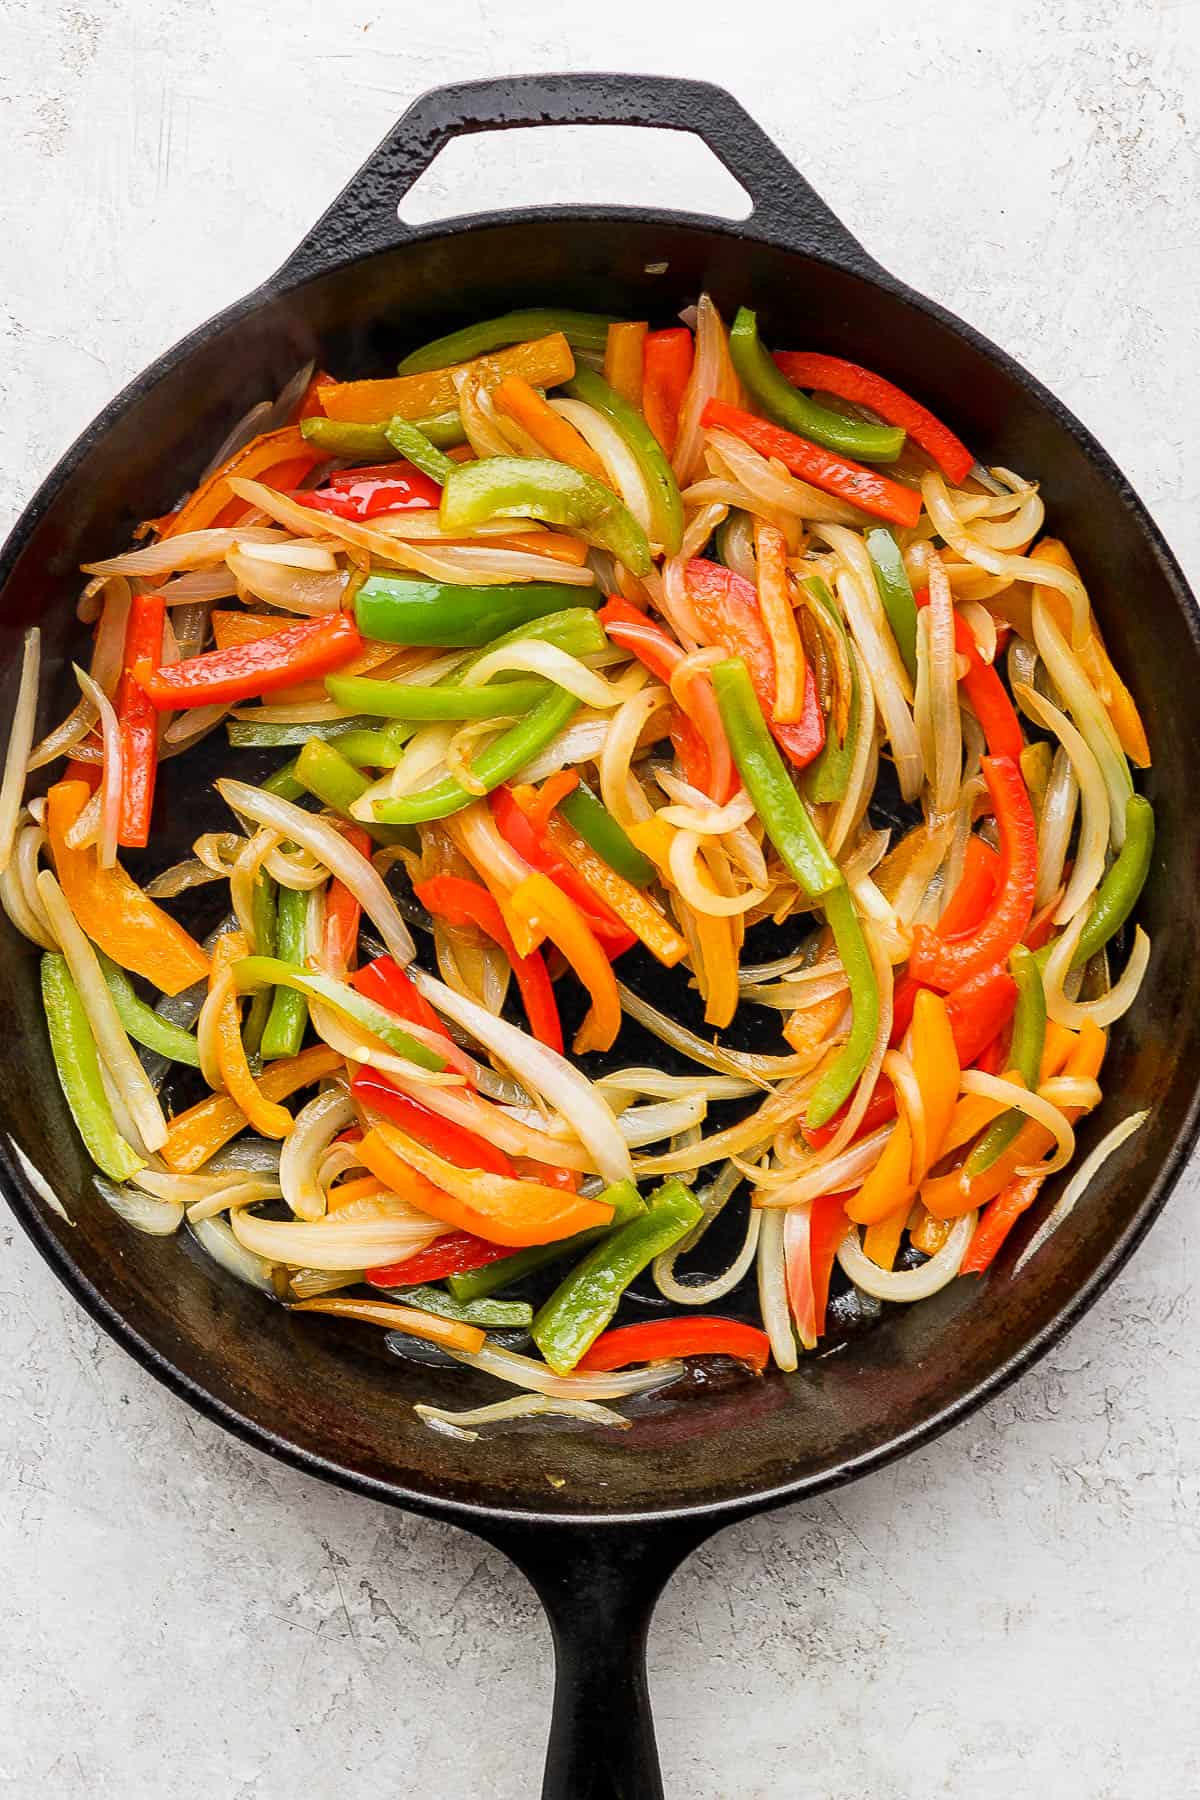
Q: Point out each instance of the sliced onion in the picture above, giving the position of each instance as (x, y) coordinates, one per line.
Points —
(190, 550)
(761, 1069)
(699, 529)
(231, 1196)
(294, 554)
(695, 886)
(1055, 827)
(20, 743)
(861, 780)
(1084, 705)
(315, 1127)
(474, 564)
(312, 593)
(1088, 871)
(458, 1424)
(532, 657)
(821, 1175)
(712, 378)
(543, 1071)
(619, 463)
(946, 772)
(772, 1290)
(983, 626)
(763, 486)
(621, 792)
(198, 587)
(888, 689)
(525, 1372)
(18, 889)
(704, 1293)
(1109, 1007)
(336, 1242)
(1035, 1105)
(156, 1218)
(111, 783)
(942, 511)
(907, 1284)
(179, 878)
(215, 1237)
(738, 547)
(323, 840)
(694, 811)
(1086, 1173)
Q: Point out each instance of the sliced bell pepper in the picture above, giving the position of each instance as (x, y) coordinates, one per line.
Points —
(666, 370)
(624, 356)
(779, 620)
(253, 972)
(1118, 893)
(861, 387)
(268, 1117)
(498, 762)
(77, 1063)
(545, 908)
(827, 1227)
(343, 914)
(839, 1078)
(1024, 1055)
(206, 506)
(865, 488)
(397, 488)
(404, 700)
(889, 1186)
(544, 362)
(283, 1031)
(372, 443)
(517, 487)
(605, 885)
(462, 902)
(247, 671)
(986, 692)
(112, 909)
(143, 1024)
(138, 721)
(727, 609)
(582, 330)
(777, 397)
(454, 1142)
(455, 1253)
(516, 400)
(517, 831)
(997, 1220)
(331, 778)
(452, 1334)
(970, 900)
(663, 1340)
(662, 490)
(387, 984)
(946, 963)
(895, 592)
(659, 652)
(410, 442)
(936, 1067)
(881, 1241)
(476, 1283)
(197, 1134)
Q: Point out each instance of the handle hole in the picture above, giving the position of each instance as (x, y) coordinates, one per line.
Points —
(574, 165)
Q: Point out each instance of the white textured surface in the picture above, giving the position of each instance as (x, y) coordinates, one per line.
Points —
(1009, 1613)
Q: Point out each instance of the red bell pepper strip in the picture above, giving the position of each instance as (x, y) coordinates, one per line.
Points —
(666, 369)
(973, 895)
(700, 729)
(245, 671)
(310, 401)
(444, 1136)
(365, 493)
(726, 608)
(453, 1254)
(665, 1339)
(138, 721)
(463, 902)
(517, 831)
(90, 772)
(849, 381)
(945, 963)
(827, 1227)
(997, 1220)
(993, 1058)
(385, 982)
(343, 914)
(985, 690)
(865, 488)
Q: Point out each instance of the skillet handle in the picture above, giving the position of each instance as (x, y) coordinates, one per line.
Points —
(599, 1585)
(363, 219)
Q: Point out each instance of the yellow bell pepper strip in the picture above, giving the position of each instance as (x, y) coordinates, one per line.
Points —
(582, 330)
(545, 362)
(641, 915)
(713, 938)
(78, 1065)
(268, 1117)
(546, 909)
(1115, 697)
(949, 1196)
(935, 1064)
(624, 359)
(451, 1334)
(516, 400)
(666, 506)
(112, 909)
(526, 487)
(881, 1240)
(779, 617)
(197, 1134)
(284, 449)
(495, 1207)
(889, 1185)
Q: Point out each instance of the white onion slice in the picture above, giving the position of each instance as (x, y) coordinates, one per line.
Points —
(1084, 1175)
(906, 1284)
(113, 777)
(1088, 871)
(942, 510)
(145, 1213)
(1055, 826)
(525, 1372)
(458, 1424)
(1084, 705)
(1109, 1007)
(828, 1174)
(295, 554)
(532, 657)
(712, 377)
(608, 444)
(888, 688)
(314, 1128)
(772, 1291)
(703, 1293)
(215, 1237)
(189, 550)
(336, 1242)
(1036, 1105)
(20, 743)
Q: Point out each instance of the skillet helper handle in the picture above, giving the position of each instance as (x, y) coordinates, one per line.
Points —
(363, 219)
(599, 1585)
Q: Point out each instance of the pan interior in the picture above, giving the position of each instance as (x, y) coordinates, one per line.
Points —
(318, 1389)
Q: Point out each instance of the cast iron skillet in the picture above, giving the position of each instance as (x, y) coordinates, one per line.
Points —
(598, 1521)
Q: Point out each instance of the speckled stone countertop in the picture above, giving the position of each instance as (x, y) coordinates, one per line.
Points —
(1010, 1612)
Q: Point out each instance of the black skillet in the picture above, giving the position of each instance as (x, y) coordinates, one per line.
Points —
(598, 1520)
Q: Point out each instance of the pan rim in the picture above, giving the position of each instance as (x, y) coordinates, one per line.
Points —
(31, 1214)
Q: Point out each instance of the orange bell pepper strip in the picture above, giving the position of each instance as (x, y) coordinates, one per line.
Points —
(779, 617)
(268, 1117)
(254, 460)
(949, 1196)
(975, 1112)
(885, 1198)
(112, 908)
(197, 1134)
(624, 357)
(1115, 697)
(632, 907)
(495, 1207)
(544, 362)
(516, 400)
(807, 1029)
(714, 940)
(881, 1240)
(452, 1334)
(997, 1220)
(889, 1185)
(546, 909)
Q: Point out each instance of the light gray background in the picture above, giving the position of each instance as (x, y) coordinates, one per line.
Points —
(1009, 1613)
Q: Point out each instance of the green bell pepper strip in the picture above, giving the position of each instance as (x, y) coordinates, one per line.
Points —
(78, 1065)
(380, 749)
(774, 395)
(520, 487)
(1025, 1055)
(370, 443)
(582, 330)
(1118, 893)
(402, 700)
(337, 784)
(576, 630)
(253, 972)
(839, 1078)
(895, 591)
(283, 782)
(581, 1307)
(283, 1032)
(473, 1284)
(143, 1024)
(784, 815)
(825, 779)
(608, 838)
(265, 912)
(492, 1314)
(499, 761)
(409, 610)
(246, 734)
(410, 442)
(666, 507)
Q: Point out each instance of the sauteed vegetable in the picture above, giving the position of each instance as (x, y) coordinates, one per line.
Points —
(676, 694)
